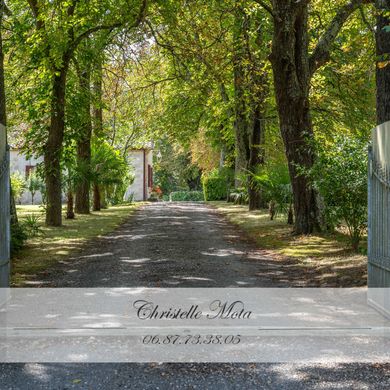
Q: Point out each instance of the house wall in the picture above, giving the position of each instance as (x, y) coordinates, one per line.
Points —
(136, 160)
(18, 163)
(149, 161)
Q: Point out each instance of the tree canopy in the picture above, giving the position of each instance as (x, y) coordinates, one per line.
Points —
(215, 85)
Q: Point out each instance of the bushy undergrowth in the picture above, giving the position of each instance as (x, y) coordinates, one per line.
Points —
(217, 184)
(340, 176)
(188, 196)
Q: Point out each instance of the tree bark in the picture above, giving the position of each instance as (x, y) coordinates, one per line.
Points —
(241, 114)
(98, 106)
(103, 197)
(383, 62)
(84, 144)
(96, 198)
(69, 206)
(291, 69)
(256, 157)
(251, 90)
(53, 149)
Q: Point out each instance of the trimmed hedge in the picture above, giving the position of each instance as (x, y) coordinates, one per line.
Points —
(186, 196)
(215, 188)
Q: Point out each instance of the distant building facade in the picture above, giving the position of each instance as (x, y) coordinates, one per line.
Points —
(141, 160)
(19, 163)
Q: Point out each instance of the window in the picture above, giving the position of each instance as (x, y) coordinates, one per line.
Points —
(29, 170)
(150, 176)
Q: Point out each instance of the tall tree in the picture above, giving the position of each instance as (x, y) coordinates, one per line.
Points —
(97, 87)
(383, 60)
(60, 27)
(251, 91)
(241, 109)
(82, 205)
(293, 69)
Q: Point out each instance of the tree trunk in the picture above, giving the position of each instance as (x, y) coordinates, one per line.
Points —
(383, 62)
(290, 215)
(241, 114)
(97, 125)
(290, 63)
(96, 198)
(84, 144)
(69, 206)
(103, 197)
(53, 150)
(251, 90)
(98, 106)
(256, 157)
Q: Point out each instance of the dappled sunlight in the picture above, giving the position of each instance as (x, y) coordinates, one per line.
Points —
(222, 252)
(325, 259)
(55, 244)
(193, 278)
(96, 255)
(38, 371)
(168, 217)
(190, 245)
(135, 261)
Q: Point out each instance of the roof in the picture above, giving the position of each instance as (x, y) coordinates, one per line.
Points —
(143, 146)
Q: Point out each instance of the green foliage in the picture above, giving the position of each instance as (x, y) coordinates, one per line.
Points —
(28, 227)
(273, 182)
(217, 184)
(239, 196)
(18, 185)
(173, 170)
(18, 237)
(171, 80)
(108, 167)
(340, 176)
(34, 183)
(116, 193)
(190, 196)
(215, 188)
(31, 225)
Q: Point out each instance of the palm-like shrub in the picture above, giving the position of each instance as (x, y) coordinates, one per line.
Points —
(273, 182)
(108, 169)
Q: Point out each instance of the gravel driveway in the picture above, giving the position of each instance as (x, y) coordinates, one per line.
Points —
(174, 245)
(184, 245)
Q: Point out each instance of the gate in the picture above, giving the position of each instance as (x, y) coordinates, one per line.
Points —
(4, 210)
(379, 208)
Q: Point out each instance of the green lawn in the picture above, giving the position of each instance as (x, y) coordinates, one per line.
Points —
(327, 254)
(54, 244)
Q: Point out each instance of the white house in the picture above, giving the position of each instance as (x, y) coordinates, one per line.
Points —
(141, 160)
(24, 166)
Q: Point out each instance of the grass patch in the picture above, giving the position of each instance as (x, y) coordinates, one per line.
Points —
(328, 255)
(57, 243)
